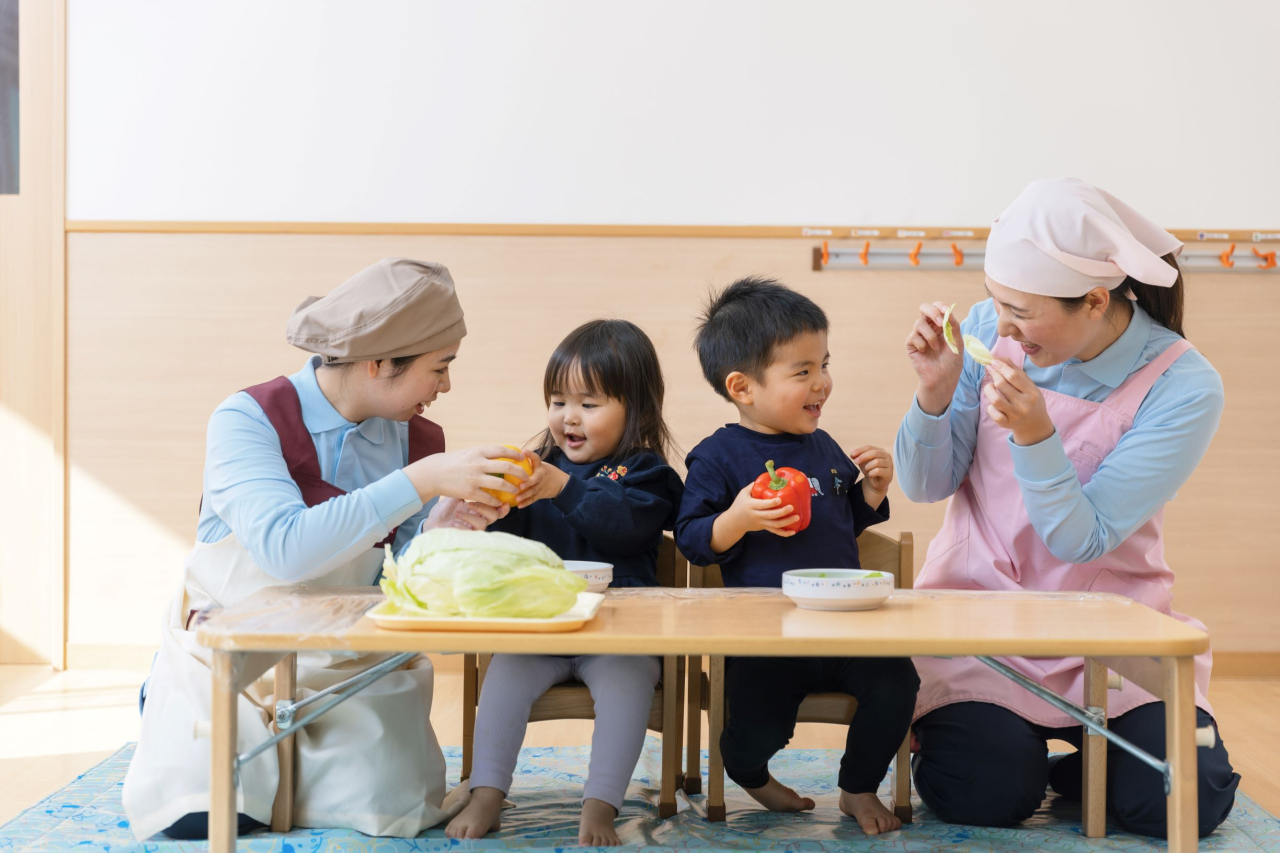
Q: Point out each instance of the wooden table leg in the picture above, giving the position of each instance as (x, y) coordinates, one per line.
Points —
(286, 675)
(681, 662)
(1094, 749)
(715, 725)
(902, 781)
(222, 787)
(1180, 752)
(693, 733)
(470, 695)
(670, 747)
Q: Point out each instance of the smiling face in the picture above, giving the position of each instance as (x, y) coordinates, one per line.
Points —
(795, 386)
(585, 425)
(1049, 331)
(401, 397)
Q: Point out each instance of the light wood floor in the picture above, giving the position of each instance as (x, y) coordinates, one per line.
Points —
(54, 726)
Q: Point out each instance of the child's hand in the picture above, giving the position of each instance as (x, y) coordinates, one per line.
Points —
(746, 515)
(451, 512)
(547, 481)
(876, 465)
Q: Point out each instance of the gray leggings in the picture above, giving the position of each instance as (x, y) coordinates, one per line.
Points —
(622, 687)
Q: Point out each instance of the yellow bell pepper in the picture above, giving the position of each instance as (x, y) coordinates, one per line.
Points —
(509, 498)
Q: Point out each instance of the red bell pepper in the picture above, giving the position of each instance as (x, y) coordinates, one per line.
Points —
(791, 486)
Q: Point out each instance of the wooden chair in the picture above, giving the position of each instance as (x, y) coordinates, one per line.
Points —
(572, 700)
(877, 552)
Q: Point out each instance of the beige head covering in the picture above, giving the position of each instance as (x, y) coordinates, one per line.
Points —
(1063, 237)
(397, 307)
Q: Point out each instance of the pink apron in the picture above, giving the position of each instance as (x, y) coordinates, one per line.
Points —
(987, 542)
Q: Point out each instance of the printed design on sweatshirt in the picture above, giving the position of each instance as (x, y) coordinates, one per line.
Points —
(612, 473)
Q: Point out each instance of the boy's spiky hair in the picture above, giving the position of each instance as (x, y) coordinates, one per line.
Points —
(745, 323)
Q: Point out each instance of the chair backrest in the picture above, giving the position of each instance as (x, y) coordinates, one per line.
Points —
(876, 551)
(673, 568)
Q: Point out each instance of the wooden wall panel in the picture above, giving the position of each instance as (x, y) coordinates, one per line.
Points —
(32, 352)
(164, 326)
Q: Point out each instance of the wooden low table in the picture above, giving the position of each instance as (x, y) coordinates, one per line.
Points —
(1154, 651)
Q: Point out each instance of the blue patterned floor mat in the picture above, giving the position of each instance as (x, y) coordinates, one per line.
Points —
(87, 815)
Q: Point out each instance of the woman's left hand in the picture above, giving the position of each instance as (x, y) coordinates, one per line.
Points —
(451, 512)
(1016, 403)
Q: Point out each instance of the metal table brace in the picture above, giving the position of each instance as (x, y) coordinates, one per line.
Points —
(286, 710)
(1093, 718)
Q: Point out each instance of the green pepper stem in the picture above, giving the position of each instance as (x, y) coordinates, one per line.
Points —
(775, 482)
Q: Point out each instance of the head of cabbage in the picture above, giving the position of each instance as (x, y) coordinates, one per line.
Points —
(448, 572)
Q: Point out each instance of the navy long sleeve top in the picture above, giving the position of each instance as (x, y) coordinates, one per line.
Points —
(608, 511)
(731, 458)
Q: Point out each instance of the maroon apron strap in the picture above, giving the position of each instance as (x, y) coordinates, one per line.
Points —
(425, 438)
(279, 401)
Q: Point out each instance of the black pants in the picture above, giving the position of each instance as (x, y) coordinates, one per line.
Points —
(763, 695)
(195, 826)
(983, 765)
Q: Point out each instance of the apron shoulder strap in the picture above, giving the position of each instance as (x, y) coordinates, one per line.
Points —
(425, 439)
(279, 401)
(1128, 398)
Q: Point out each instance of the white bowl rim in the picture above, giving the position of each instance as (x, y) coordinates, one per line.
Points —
(586, 566)
(837, 574)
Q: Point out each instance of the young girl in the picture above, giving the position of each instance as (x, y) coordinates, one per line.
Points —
(602, 490)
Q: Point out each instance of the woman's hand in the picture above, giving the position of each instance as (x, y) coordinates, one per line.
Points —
(1016, 403)
(876, 465)
(451, 512)
(935, 364)
(465, 474)
(547, 481)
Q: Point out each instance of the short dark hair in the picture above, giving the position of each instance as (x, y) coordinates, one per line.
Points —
(613, 358)
(744, 324)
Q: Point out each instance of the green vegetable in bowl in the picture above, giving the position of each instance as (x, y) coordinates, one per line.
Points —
(875, 575)
(977, 350)
(946, 330)
(449, 572)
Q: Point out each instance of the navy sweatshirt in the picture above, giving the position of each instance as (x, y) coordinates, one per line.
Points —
(732, 457)
(608, 511)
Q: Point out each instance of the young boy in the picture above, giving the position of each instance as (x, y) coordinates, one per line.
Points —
(763, 347)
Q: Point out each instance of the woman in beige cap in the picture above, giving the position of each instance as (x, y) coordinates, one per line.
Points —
(306, 478)
(1057, 459)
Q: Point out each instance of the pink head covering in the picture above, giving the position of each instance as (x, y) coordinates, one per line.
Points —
(1062, 237)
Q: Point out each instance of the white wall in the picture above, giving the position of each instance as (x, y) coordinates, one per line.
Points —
(668, 111)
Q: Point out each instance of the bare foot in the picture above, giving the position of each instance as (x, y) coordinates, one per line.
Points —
(596, 828)
(777, 797)
(869, 812)
(481, 816)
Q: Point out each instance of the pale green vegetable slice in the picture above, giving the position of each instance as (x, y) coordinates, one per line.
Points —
(874, 575)
(946, 330)
(977, 350)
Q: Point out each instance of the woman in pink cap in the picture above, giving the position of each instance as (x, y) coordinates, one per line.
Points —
(1058, 460)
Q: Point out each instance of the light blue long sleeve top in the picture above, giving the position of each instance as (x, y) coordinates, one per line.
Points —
(248, 490)
(1171, 431)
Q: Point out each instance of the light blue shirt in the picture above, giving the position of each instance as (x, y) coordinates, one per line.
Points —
(248, 490)
(1171, 431)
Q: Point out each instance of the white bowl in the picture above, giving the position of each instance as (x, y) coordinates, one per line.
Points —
(597, 575)
(837, 589)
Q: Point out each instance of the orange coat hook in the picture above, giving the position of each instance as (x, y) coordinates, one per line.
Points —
(826, 254)
(959, 255)
(914, 255)
(1225, 257)
(1268, 259)
(866, 250)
